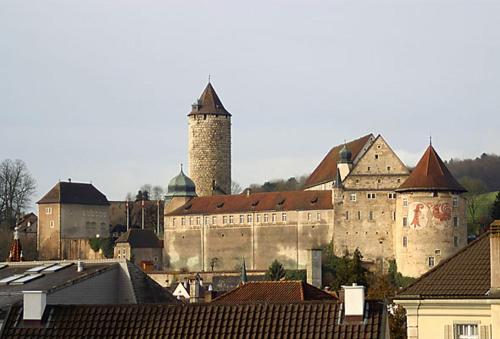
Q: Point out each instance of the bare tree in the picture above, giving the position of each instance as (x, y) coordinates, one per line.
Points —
(235, 188)
(16, 189)
(157, 192)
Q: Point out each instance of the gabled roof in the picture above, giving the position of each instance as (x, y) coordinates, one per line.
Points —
(209, 103)
(138, 238)
(265, 201)
(74, 193)
(273, 291)
(260, 320)
(431, 174)
(465, 274)
(327, 169)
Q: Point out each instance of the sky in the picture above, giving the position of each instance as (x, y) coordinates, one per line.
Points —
(98, 91)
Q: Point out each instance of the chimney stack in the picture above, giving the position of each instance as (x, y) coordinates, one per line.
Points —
(34, 303)
(79, 266)
(354, 302)
(495, 256)
(194, 291)
(313, 267)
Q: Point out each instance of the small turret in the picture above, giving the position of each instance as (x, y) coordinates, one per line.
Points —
(244, 277)
(180, 189)
(15, 252)
(344, 164)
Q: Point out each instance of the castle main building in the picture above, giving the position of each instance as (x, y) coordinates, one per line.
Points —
(361, 195)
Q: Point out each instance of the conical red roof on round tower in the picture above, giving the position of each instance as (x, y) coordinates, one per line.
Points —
(431, 174)
(15, 252)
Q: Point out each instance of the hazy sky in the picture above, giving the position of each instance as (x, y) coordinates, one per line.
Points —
(99, 90)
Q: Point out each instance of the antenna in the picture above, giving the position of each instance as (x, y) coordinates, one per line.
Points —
(209, 78)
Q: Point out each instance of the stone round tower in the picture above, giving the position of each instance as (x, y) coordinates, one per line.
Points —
(431, 222)
(210, 145)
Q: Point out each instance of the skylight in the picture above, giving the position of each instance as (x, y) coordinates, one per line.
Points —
(57, 267)
(38, 269)
(26, 279)
(7, 280)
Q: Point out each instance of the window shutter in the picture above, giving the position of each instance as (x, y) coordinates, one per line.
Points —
(484, 332)
(448, 334)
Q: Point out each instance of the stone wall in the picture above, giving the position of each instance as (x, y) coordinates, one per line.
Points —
(210, 152)
(49, 231)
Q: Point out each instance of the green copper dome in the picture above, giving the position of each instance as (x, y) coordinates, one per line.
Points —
(345, 155)
(181, 186)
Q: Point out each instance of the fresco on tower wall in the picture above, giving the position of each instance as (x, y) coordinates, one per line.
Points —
(420, 214)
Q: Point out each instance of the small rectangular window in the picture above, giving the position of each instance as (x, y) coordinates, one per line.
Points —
(388, 168)
(283, 217)
(466, 331)
(346, 215)
(430, 262)
(309, 218)
(392, 195)
(51, 224)
(205, 220)
(405, 242)
(214, 220)
(273, 217)
(405, 202)
(190, 221)
(369, 168)
(224, 219)
(359, 215)
(455, 221)
(48, 210)
(371, 215)
(266, 217)
(249, 218)
(405, 221)
(173, 221)
(242, 219)
(455, 202)
(371, 196)
(257, 217)
(198, 221)
(376, 156)
(393, 215)
(318, 216)
(437, 253)
(455, 241)
(231, 219)
(183, 221)
(353, 197)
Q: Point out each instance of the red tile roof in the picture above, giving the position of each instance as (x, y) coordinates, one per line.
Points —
(209, 103)
(259, 320)
(327, 169)
(431, 174)
(74, 193)
(273, 291)
(266, 201)
(465, 274)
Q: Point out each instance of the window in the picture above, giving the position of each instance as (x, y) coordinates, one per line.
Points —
(198, 221)
(205, 220)
(455, 202)
(266, 217)
(405, 221)
(437, 253)
(273, 217)
(376, 156)
(214, 220)
(48, 210)
(242, 218)
(318, 216)
(392, 195)
(224, 219)
(353, 197)
(393, 215)
(359, 215)
(371, 215)
(283, 217)
(309, 217)
(249, 218)
(173, 221)
(258, 217)
(371, 195)
(51, 224)
(190, 221)
(455, 241)
(466, 331)
(231, 219)
(455, 221)
(379, 181)
(346, 215)
(368, 168)
(430, 262)
(183, 221)
(405, 242)
(388, 168)
(405, 202)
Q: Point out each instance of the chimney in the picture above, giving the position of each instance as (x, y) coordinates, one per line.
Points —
(495, 256)
(194, 291)
(34, 305)
(313, 267)
(354, 302)
(79, 266)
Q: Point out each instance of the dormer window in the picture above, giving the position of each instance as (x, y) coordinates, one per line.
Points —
(220, 205)
(314, 200)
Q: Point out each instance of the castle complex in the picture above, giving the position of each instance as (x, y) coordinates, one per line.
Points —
(360, 196)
